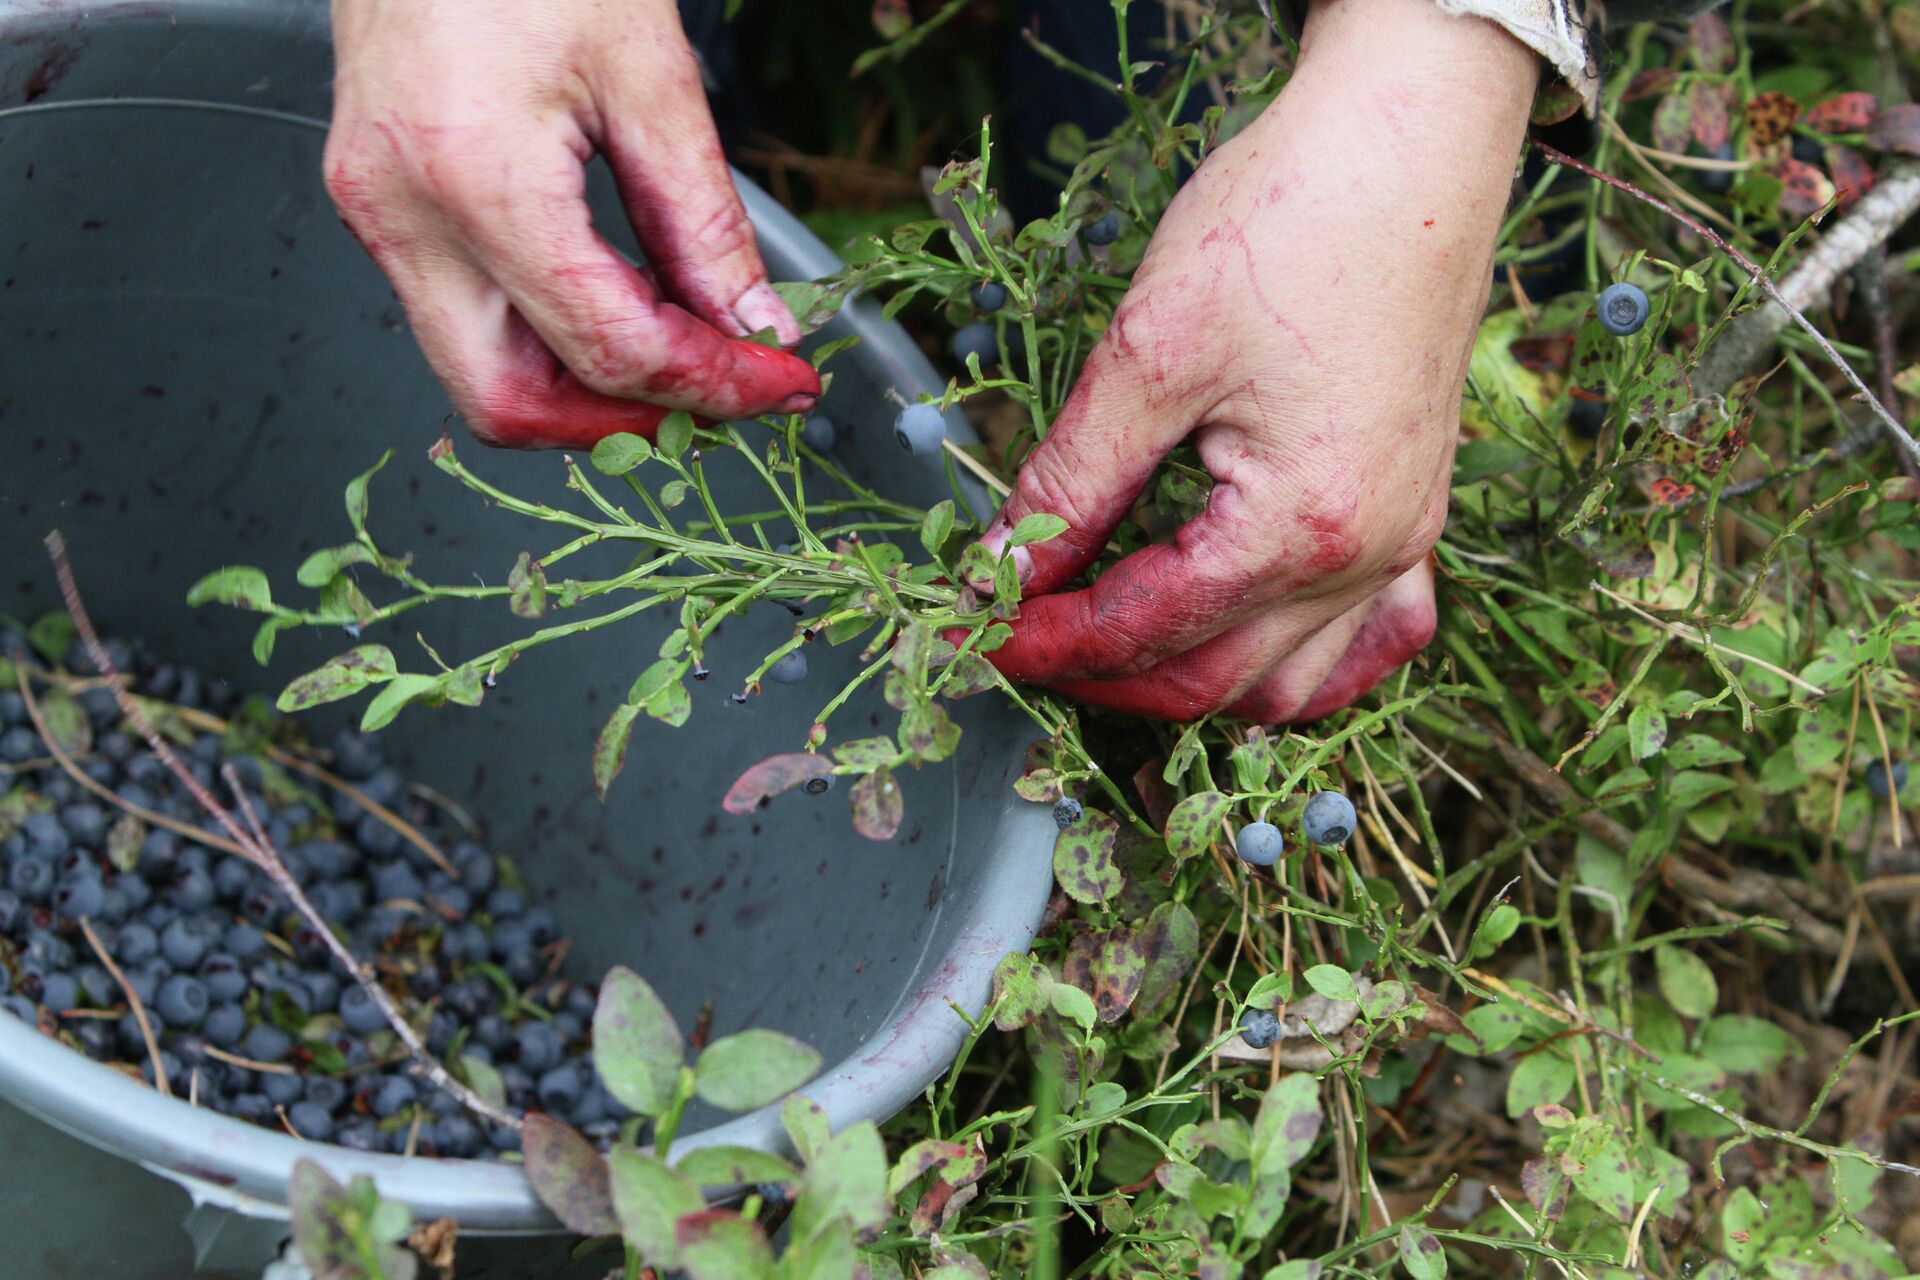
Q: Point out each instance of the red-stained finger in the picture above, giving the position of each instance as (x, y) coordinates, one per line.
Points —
(660, 141)
(1219, 673)
(529, 230)
(1399, 627)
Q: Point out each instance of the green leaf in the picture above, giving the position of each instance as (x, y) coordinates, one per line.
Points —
(1852, 1182)
(671, 705)
(68, 726)
(1073, 1004)
(1172, 942)
(1607, 1180)
(1646, 731)
(1686, 981)
(1333, 982)
(356, 494)
(806, 1125)
(1038, 527)
(1022, 991)
(51, 635)
(264, 637)
(395, 694)
(1194, 823)
(649, 1199)
(337, 678)
(731, 1167)
(637, 1048)
(1539, 1078)
(1421, 1253)
(936, 526)
(1698, 750)
(481, 1077)
(1743, 1044)
(674, 435)
(320, 568)
(568, 1175)
(124, 839)
(846, 1179)
(752, 1069)
(242, 586)
(1083, 859)
(348, 1233)
(1298, 1269)
(721, 1245)
(1742, 1228)
(527, 587)
(828, 1254)
(1284, 1131)
(610, 748)
(1689, 787)
(620, 453)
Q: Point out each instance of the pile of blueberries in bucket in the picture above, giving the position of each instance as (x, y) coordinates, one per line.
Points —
(252, 1016)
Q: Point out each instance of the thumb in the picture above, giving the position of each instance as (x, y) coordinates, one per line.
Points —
(1101, 452)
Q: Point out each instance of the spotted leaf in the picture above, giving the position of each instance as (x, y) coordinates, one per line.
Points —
(1083, 859)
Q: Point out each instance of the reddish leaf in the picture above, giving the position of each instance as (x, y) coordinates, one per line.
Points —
(1545, 1186)
(1770, 117)
(1548, 354)
(1651, 83)
(1118, 966)
(1853, 177)
(569, 1176)
(1712, 42)
(1804, 189)
(1673, 122)
(1155, 796)
(1553, 103)
(1896, 129)
(772, 776)
(1668, 492)
(1710, 124)
(877, 805)
(1842, 113)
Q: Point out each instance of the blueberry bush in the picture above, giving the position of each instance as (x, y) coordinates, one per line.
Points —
(1585, 946)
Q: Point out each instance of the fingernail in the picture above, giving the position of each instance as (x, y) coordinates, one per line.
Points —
(797, 404)
(994, 542)
(760, 308)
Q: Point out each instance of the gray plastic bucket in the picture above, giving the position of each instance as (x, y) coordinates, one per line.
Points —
(194, 358)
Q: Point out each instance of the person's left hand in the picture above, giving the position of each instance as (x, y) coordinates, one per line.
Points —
(1305, 312)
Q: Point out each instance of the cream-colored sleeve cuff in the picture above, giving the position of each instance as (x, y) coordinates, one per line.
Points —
(1554, 29)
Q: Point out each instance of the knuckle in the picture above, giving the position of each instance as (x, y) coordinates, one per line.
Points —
(1047, 484)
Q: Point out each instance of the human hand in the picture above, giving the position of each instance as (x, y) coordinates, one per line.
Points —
(460, 132)
(1305, 312)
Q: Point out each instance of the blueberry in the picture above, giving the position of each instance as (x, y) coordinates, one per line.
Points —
(116, 904)
(21, 1008)
(59, 992)
(920, 428)
(157, 854)
(1586, 414)
(326, 1092)
(522, 966)
(490, 1031)
(1260, 844)
(311, 1121)
(224, 1025)
(225, 978)
(1259, 1028)
(540, 1047)
(560, 1088)
(46, 838)
(442, 1027)
(251, 1106)
(243, 942)
(30, 878)
(503, 1139)
(11, 910)
(1718, 181)
(393, 1095)
(266, 1043)
(540, 925)
(283, 1088)
(449, 899)
(1878, 779)
(192, 890)
(1328, 818)
(176, 1070)
(181, 1001)
(819, 433)
(97, 985)
(464, 942)
(505, 902)
(231, 878)
(360, 1135)
(96, 1039)
(456, 1137)
(46, 952)
(145, 982)
(790, 669)
(19, 745)
(323, 989)
(378, 837)
(359, 1011)
(978, 340)
(86, 823)
(135, 889)
(1105, 229)
(988, 296)
(1066, 812)
(818, 786)
(393, 881)
(1623, 308)
(186, 942)
(79, 894)
(136, 944)
(356, 756)
(13, 709)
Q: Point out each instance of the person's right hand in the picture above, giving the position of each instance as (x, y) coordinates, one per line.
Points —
(460, 132)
